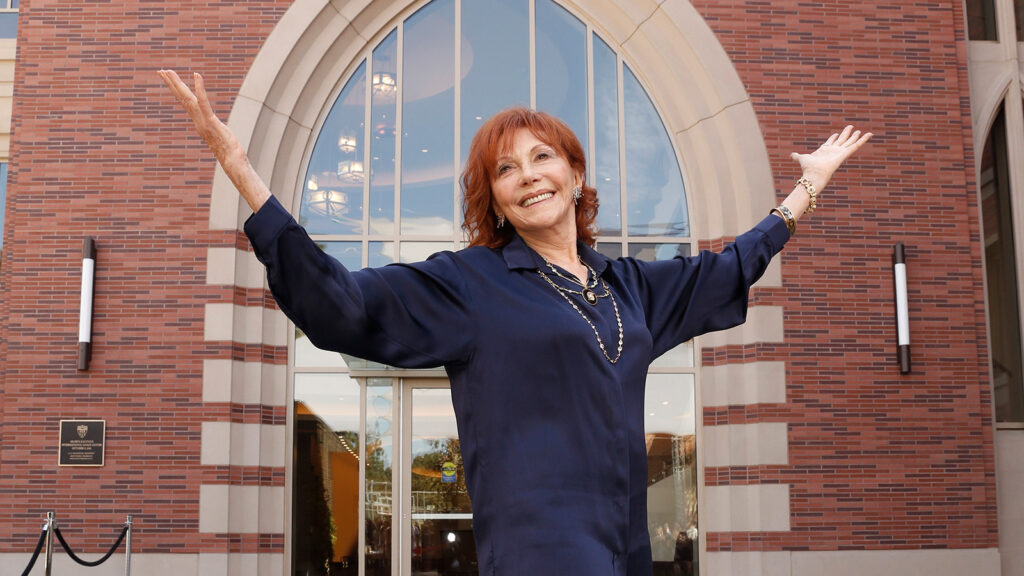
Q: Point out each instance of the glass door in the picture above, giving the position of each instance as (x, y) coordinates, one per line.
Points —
(436, 518)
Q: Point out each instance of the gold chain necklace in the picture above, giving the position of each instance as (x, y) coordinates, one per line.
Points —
(615, 306)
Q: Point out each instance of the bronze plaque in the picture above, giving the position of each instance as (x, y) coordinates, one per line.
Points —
(82, 442)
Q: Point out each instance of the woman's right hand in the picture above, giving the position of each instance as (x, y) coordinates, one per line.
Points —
(218, 137)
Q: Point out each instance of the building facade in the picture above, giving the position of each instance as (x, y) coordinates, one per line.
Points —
(790, 445)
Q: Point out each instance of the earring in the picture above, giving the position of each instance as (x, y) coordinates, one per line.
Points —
(577, 193)
(501, 221)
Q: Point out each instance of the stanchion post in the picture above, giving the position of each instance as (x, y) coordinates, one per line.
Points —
(128, 547)
(51, 523)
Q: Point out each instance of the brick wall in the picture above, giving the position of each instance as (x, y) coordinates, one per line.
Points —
(99, 150)
(877, 459)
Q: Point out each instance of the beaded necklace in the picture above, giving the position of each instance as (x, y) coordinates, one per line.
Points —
(590, 297)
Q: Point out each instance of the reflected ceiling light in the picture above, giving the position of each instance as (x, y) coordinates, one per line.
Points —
(350, 171)
(451, 536)
(384, 84)
(330, 203)
(312, 183)
(346, 144)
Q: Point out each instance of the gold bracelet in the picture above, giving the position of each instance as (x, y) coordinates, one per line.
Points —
(810, 192)
(787, 216)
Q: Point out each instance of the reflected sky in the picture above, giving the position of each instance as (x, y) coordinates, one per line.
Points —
(428, 116)
(383, 115)
(606, 139)
(562, 66)
(495, 62)
(655, 201)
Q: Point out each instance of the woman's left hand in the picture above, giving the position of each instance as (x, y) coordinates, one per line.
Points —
(818, 166)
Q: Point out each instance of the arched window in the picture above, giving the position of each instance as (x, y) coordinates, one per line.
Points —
(382, 186)
(1001, 275)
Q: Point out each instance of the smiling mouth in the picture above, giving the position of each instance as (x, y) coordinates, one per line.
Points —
(534, 199)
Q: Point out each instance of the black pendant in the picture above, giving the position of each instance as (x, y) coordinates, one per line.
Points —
(589, 296)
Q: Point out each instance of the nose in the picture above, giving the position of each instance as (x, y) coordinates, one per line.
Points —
(528, 174)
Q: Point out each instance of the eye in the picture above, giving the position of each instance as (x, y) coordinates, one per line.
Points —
(503, 168)
(543, 155)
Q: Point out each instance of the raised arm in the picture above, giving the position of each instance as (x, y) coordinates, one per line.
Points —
(219, 138)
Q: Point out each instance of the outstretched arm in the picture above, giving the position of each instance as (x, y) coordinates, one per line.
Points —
(818, 166)
(219, 138)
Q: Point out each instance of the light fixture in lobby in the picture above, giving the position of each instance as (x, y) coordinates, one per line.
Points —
(346, 144)
(350, 171)
(384, 84)
(330, 203)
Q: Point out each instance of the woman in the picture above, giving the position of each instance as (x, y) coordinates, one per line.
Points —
(546, 342)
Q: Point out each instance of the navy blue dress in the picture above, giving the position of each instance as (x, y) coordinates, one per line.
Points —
(552, 433)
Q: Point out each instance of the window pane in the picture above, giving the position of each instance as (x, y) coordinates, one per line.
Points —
(612, 250)
(420, 251)
(562, 66)
(671, 472)
(495, 62)
(428, 116)
(8, 25)
(642, 251)
(332, 201)
(1001, 272)
(325, 498)
(381, 254)
(606, 139)
(656, 201)
(981, 20)
(379, 457)
(383, 87)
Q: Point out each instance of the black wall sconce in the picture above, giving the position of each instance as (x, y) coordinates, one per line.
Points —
(899, 271)
(85, 308)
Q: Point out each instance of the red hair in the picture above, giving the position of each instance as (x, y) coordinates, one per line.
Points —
(494, 138)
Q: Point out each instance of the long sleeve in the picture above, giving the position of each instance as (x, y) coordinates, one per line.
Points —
(407, 315)
(687, 297)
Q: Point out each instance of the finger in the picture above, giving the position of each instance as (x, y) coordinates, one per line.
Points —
(853, 138)
(860, 142)
(844, 136)
(831, 140)
(794, 156)
(204, 100)
(178, 88)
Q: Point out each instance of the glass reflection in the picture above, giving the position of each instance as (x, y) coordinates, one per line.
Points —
(325, 498)
(606, 139)
(981, 20)
(495, 62)
(420, 251)
(442, 520)
(383, 89)
(656, 202)
(332, 198)
(1001, 273)
(671, 472)
(643, 251)
(381, 254)
(428, 116)
(612, 250)
(562, 66)
(379, 459)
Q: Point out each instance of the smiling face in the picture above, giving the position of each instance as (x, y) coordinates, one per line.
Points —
(532, 188)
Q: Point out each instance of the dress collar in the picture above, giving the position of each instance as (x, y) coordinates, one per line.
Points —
(519, 255)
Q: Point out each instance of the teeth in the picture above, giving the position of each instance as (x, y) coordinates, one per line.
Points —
(531, 201)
